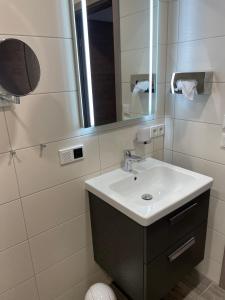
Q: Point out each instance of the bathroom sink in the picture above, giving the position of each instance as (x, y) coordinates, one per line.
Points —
(151, 191)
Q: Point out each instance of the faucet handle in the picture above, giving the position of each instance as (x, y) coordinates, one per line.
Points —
(127, 152)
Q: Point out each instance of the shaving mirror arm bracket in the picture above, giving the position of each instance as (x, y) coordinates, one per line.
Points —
(8, 100)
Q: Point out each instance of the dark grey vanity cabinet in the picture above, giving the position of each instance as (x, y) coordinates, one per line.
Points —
(146, 262)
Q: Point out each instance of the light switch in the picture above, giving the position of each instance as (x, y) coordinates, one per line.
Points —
(69, 155)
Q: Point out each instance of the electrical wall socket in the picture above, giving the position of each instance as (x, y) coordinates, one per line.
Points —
(161, 130)
(157, 130)
(154, 131)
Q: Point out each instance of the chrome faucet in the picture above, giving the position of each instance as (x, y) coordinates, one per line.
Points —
(129, 159)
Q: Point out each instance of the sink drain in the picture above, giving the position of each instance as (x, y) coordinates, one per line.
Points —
(147, 197)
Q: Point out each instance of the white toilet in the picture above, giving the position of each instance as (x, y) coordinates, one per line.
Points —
(100, 291)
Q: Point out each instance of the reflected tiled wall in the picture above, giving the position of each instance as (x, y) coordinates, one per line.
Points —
(135, 51)
(45, 239)
(196, 41)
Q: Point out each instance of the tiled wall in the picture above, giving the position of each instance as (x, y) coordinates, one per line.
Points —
(196, 41)
(45, 240)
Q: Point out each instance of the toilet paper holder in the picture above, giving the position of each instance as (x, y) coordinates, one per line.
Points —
(204, 81)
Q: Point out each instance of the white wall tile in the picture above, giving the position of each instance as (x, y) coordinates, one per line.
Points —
(61, 277)
(207, 55)
(169, 102)
(173, 21)
(211, 269)
(128, 7)
(161, 17)
(201, 19)
(168, 139)
(46, 170)
(171, 67)
(204, 108)
(134, 31)
(8, 183)
(12, 227)
(215, 244)
(30, 17)
(159, 100)
(29, 122)
(4, 139)
(168, 156)
(56, 244)
(15, 266)
(23, 291)
(215, 170)
(158, 155)
(158, 143)
(56, 62)
(54, 206)
(199, 139)
(113, 143)
(216, 215)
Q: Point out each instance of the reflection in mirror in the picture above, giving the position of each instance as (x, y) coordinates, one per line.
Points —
(114, 50)
(19, 68)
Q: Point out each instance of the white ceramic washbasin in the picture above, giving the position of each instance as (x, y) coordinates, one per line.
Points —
(170, 188)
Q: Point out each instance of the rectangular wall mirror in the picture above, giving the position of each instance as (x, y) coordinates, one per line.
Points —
(115, 44)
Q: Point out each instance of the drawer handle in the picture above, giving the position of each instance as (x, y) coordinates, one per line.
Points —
(182, 250)
(174, 220)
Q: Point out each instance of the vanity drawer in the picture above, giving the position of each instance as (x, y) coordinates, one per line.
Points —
(167, 231)
(166, 270)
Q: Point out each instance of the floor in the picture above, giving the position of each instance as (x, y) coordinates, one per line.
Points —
(193, 287)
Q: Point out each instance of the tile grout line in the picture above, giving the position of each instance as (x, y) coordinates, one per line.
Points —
(165, 84)
(200, 158)
(208, 287)
(42, 232)
(61, 183)
(59, 225)
(197, 40)
(36, 36)
(21, 205)
(18, 284)
(75, 285)
(99, 154)
(82, 133)
(195, 121)
(88, 246)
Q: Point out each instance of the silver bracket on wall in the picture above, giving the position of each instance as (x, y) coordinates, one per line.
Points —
(203, 79)
(8, 100)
